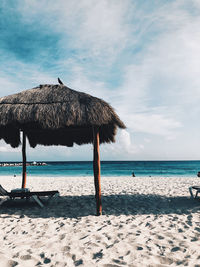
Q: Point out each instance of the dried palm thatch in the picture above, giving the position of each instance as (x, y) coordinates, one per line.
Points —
(56, 115)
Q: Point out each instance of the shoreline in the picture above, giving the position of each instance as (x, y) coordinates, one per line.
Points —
(13, 175)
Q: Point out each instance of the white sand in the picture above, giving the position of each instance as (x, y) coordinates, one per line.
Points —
(145, 222)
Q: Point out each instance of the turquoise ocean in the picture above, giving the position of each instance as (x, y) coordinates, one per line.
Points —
(109, 168)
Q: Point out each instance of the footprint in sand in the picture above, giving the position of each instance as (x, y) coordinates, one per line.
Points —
(6, 262)
(98, 255)
(165, 260)
(119, 262)
(62, 236)
(160, 237)
(197, 229)
(194, 239)
(46, 260)
(174, 249)
(25, 257)
(66, 249)
(110, 265)
(77, 262)
(12, 263)
(180, 230)
(139, 248)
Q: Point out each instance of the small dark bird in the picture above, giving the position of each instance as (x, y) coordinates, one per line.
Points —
(60, 82)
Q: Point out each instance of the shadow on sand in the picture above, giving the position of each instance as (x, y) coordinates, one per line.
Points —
(79, 206)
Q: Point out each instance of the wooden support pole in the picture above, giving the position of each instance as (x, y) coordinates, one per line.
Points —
(24, 161)
(96, 168)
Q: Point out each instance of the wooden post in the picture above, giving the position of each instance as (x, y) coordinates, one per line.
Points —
(96, 168)
(24, 160)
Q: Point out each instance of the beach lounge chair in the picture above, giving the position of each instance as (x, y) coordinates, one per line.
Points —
(24, 193)
(197, 188)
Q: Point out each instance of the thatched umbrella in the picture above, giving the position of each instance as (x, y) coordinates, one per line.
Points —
(58, 115)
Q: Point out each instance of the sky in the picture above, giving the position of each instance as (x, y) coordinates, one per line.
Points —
(141, 56)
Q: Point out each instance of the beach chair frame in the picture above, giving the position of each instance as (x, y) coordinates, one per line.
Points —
(197, 188)
(35, 195)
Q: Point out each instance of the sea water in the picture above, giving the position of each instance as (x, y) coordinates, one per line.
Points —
(109, 168)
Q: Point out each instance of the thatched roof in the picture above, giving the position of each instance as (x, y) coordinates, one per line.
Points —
(56, 115)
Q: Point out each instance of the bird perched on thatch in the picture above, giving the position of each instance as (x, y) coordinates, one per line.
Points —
(56, 115)
(60, 82)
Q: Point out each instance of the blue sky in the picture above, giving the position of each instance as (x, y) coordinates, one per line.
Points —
(140, 56)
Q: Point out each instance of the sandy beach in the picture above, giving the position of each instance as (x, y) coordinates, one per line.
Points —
(146, 221)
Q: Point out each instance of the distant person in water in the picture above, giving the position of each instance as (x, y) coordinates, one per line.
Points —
(198, 174)
(133, 174)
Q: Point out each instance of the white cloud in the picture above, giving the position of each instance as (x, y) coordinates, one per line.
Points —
(81, 82)
(140, 108)
(147, 140)
(6, 148)
(123, 146)
(124, 139)
(154, 124)
(172, 59)
(161, 88)
(157, 51)
(97, 28)
(104, 27)
(6, 85)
